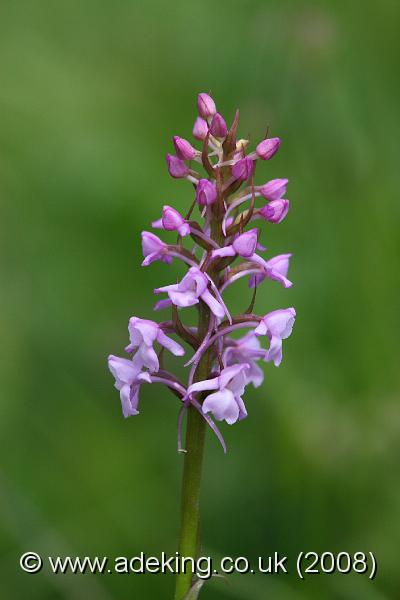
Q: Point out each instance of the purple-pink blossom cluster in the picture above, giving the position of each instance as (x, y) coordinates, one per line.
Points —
(222, 246)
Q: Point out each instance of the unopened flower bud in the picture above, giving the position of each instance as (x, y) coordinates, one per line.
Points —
(184, 150)
(206, 192)
(176, 167)
(218, 126)
(246, 243)
(206, 105)
(243, 169)
(267, 148)
(275, 211)
(200, 129)
(274, 189)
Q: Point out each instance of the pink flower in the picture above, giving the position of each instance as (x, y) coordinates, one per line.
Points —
(277, 325)
(244, 245)
(154, 249)
(142, 335)
(248, 350)
(226, 404)
(192, 288)
(172, 220)
(275, 268)
(275, 211)
(128, 379)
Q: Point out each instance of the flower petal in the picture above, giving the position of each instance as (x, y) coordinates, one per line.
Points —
(216, 308)
(170, 344)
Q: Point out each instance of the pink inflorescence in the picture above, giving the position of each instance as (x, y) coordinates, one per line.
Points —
(222, 247)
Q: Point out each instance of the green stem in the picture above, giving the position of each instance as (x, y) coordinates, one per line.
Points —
(189, 543)
(190, 523)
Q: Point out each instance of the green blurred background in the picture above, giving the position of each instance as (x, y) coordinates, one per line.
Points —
(90, 95)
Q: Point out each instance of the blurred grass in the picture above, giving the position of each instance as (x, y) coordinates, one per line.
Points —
(90, 96)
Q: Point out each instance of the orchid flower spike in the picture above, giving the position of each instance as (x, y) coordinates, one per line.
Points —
(217, 245)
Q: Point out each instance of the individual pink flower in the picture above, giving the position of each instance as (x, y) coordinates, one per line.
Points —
(192, 288)
(172, 220)
(277, 325)
(142, 335)
(154, 249)
(248, 350)
(275, 211)
(275, 268)
(243, 245)
(226, 404)
(127, 380)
